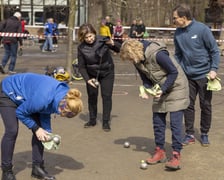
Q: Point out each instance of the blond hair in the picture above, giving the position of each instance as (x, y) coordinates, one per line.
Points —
(132, 50)
(73, 100)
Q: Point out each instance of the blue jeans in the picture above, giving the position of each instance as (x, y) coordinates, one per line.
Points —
(159, 126)
(48, 43)
(10, 51)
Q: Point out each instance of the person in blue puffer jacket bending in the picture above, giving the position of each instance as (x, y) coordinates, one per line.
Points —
(32, 98)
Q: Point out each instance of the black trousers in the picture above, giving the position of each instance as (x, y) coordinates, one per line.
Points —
(10, 121)
(199, 87)
(106, 87)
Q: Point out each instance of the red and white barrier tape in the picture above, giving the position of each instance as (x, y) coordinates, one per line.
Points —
(140, 39)
(158, 39)
(9, 34)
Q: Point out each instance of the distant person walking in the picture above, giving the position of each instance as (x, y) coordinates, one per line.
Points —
(55, 34)
(11, 44)
(48, 33)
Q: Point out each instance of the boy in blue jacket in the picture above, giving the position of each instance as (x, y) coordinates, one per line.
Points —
(49, 28)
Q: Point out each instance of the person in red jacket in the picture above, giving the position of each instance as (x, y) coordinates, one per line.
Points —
(23, 23)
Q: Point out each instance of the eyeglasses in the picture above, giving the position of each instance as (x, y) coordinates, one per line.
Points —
(175, 18)
(69, 114)
(64, 110)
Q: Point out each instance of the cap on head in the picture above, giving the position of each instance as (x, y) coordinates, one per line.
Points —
(17, 14)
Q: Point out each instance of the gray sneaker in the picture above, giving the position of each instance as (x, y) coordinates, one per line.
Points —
(2, 69)
(12, 72)
(53, 50)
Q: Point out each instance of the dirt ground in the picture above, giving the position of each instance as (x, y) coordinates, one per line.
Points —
(92, 154)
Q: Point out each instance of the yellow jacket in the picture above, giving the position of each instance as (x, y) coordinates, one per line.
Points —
(105, 31)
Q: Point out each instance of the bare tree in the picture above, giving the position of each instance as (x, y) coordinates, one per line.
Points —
(95, 12)
(2, 10)
(157, 13)
(71, 24)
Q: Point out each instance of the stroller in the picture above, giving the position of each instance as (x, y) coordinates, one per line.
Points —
(61, 74)
(76, 74)
(58, 73)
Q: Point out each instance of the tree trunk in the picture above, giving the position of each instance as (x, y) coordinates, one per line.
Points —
(71, 25)
(2, 10)
(95, 10)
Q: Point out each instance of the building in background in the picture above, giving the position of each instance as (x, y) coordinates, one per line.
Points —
(35, 12)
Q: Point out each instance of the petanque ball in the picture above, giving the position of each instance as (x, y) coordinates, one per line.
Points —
(126, 144)
(56, 140)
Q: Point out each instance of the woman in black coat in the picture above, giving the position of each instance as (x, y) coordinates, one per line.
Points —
(97, 68)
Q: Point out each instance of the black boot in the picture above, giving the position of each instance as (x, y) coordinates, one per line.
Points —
(39, 172)
(106, 126)
(7, 173)
(90, 123)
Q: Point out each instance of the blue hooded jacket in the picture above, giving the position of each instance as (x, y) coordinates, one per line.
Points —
(34, 93)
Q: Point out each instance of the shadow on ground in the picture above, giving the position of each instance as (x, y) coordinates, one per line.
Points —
(55, 162)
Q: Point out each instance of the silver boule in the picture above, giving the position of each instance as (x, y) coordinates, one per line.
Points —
(97, 83)
(143, 165)
(56, 139)
(126, 144)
